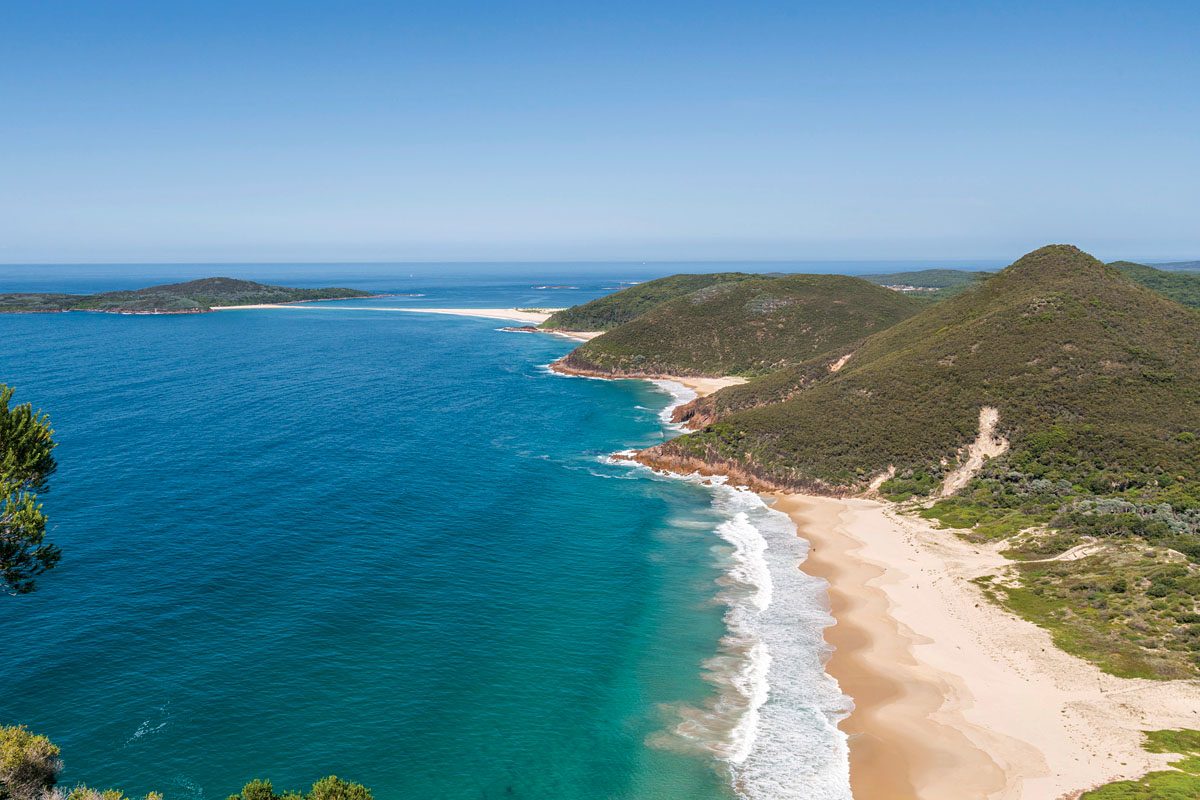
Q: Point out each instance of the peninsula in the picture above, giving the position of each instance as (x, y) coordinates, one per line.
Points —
(193, 297)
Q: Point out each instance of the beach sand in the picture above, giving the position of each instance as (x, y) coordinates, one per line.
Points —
(507, 314)
(705, 386)
(955, 698)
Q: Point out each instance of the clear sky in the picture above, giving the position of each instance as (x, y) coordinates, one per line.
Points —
(202, 131)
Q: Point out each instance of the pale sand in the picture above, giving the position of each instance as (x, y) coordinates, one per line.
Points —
(705, 386)
(701, 386)
(509, 314)
(957, 699)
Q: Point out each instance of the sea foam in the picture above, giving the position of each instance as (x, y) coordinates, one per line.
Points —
(773, 716)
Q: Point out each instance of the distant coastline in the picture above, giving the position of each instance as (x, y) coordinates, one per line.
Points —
(133, 312)
(190, 297)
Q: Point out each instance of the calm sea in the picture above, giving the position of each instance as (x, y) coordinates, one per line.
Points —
(395, 548)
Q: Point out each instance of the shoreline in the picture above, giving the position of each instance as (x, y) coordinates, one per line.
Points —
(956, 698)
(702, 385)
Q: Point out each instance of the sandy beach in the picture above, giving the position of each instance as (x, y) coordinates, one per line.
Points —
(955, 698)
(705, 386)
(511, 314)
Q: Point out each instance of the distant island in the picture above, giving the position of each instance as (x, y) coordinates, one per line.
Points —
(193, 297)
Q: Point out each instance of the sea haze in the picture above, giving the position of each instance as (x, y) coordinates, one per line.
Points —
(395, 547)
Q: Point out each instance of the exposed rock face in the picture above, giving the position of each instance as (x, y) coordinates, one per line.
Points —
(740, 473)
(571, 364)
(698, 413)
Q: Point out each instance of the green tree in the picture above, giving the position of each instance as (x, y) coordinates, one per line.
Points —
(29, 764)
(331, 788)
(26, 464)
(82, 792)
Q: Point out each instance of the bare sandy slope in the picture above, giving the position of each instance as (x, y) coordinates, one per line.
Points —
(957, 699)
(986, 445)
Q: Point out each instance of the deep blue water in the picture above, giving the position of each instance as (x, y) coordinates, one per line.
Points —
(390, 546)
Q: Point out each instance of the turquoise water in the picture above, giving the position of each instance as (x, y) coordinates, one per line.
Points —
(393, 547)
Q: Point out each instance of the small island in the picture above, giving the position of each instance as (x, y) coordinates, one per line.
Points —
(192, 297)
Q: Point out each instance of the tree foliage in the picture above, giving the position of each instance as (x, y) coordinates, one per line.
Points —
(26, 464)
(29, 764)
(330, 788)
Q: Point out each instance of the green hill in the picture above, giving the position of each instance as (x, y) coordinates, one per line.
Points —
(1182, 287)
(606, 313)
(1096, 380)
(190, 297)
(748, 327)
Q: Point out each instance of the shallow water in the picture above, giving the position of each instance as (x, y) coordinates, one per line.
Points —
(393, 547)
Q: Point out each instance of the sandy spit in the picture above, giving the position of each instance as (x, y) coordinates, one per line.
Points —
(511, 314)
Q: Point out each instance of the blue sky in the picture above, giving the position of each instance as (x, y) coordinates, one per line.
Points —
(209, 131)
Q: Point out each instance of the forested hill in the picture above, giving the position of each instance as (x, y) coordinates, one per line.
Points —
(1053, 408)
(1179, 266)
(1095, 378)
(745, 327)
(191, 297)
(1182, 287)
(606, 313)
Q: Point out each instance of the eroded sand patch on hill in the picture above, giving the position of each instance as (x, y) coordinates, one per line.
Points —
(986, 445)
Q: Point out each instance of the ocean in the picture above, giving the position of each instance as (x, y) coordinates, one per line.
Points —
(394, 547)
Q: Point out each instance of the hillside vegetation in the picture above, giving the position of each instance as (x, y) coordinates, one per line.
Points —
(193, 296)
(1182, 287)
(1179, 266)
(606, 313)
(30, 765)
(748, 327)
(1092, 374)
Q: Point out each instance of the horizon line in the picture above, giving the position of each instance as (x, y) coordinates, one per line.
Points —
(1157, 260)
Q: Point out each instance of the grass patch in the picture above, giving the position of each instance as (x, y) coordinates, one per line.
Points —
(983, 522)
(1104, 608)
(1180, 783)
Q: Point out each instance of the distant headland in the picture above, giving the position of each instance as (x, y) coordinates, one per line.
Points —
(192, 297)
